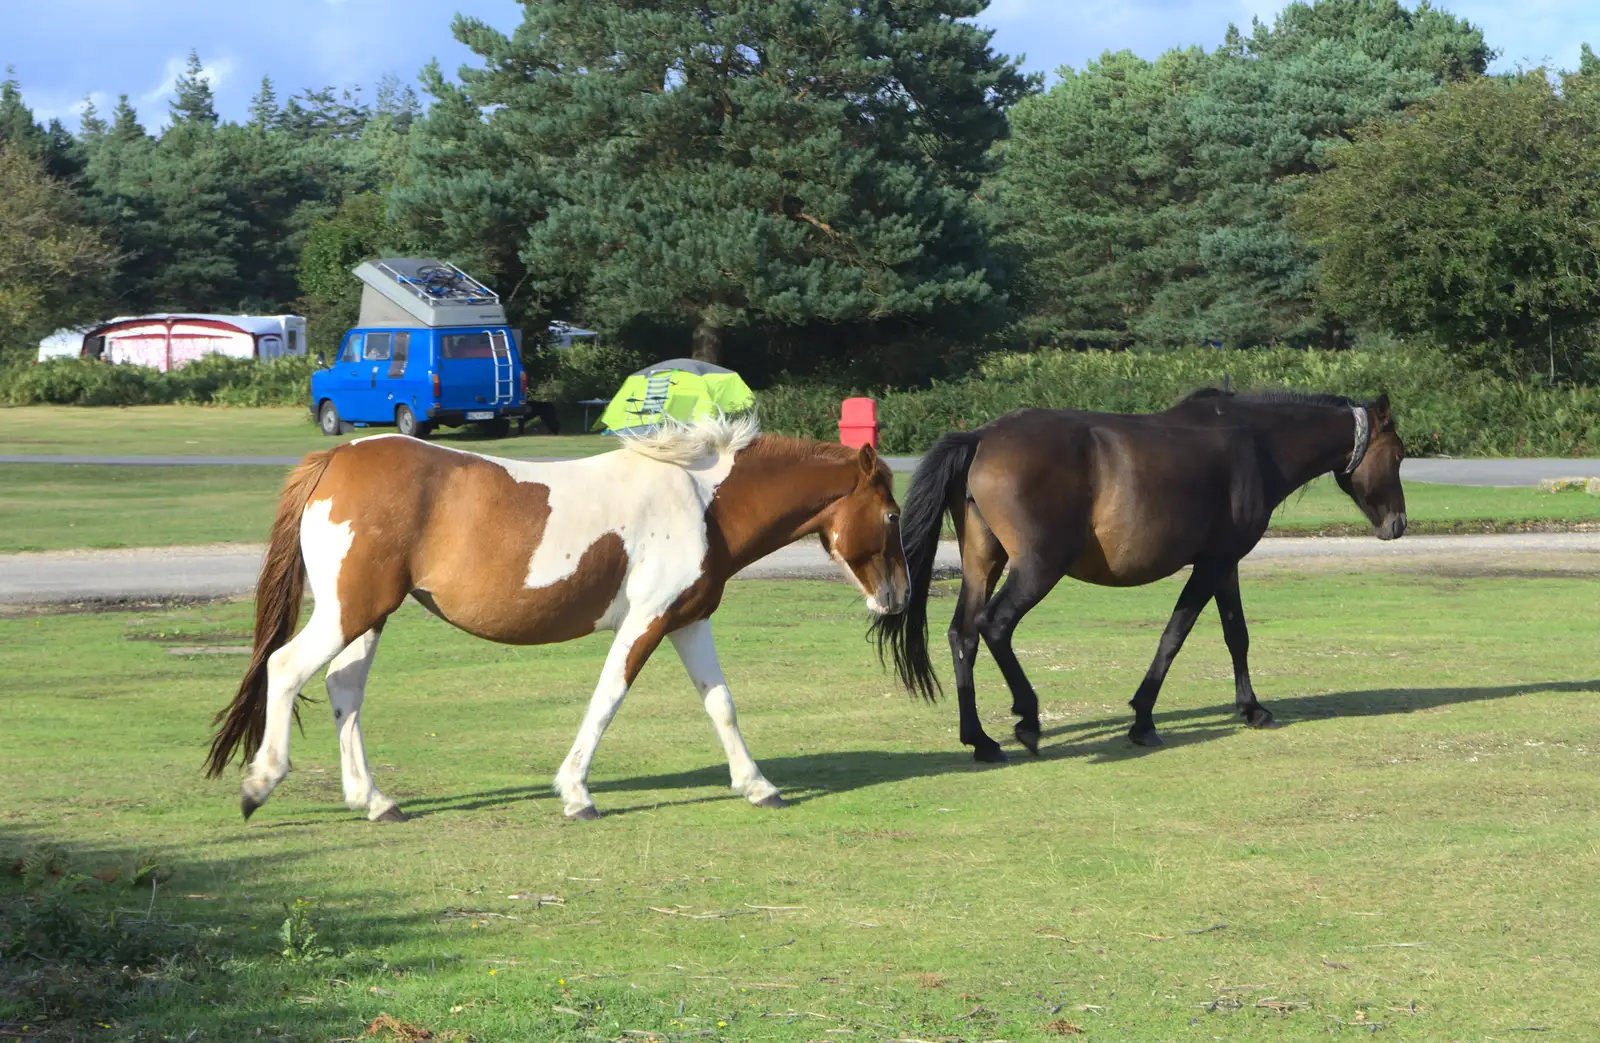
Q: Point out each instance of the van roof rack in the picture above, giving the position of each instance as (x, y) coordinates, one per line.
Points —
(422, 291)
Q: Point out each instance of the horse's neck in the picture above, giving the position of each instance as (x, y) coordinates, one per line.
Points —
(773, 497)
(1306, 447)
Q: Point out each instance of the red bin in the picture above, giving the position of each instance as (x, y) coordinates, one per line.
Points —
(858, 423)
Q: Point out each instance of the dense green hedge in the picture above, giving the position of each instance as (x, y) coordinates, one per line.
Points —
(1440, 406)
(213, 380)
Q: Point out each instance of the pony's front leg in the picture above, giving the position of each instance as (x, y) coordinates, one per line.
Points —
(699, 654)
(1237, 636)
(1196, 592)
(572, 780)
(347, 687)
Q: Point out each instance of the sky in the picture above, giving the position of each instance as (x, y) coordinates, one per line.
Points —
(66, 50)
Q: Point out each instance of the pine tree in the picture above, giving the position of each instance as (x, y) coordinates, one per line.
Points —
(125, 125)
(89, 121)
(740, 165)
(193, 102)
(16, 118)
(264, 113)
(396, 102)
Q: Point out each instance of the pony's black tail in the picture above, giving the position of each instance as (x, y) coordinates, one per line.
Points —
(904, 636)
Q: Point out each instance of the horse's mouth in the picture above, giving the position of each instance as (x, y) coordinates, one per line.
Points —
(1392, 528)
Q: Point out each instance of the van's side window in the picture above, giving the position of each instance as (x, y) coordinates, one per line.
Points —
(377, 349)
(352, 348)
(402, 348)
(467, 346)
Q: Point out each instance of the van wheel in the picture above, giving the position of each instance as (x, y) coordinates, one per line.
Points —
(499, 427)
(407, 423)
(328, 419)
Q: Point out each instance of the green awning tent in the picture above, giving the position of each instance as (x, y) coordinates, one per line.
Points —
(682, 389)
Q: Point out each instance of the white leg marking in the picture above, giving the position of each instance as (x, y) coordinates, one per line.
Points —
(571, 781)
(699, 654)
(347, 686)
(323, 545)
(288, 670)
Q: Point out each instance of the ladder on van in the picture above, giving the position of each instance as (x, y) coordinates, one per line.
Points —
(504, 372)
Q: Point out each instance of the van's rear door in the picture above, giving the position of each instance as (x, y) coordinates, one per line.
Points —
(476, 370)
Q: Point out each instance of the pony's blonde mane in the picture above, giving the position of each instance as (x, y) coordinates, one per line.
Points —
(677, 442)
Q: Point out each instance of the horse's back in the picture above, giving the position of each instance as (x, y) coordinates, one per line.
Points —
(515, 551)
(1115, 499)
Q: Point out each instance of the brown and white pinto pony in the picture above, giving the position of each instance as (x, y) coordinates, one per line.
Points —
(639, 542)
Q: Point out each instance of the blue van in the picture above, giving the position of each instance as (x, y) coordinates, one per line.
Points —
(431, 349)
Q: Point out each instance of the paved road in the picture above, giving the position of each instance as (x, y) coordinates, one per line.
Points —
(1523, 472)
(221, 571)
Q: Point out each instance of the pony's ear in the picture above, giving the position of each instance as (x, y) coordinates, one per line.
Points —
(868, 459)
(1380, 410)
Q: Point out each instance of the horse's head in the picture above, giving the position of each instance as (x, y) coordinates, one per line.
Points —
(861, 531)
(1375, 483)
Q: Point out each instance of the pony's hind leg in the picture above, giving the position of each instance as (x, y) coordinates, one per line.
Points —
(699, 655)
(347, 686)
(288, 670)
(1237, 636)
(982, 560)
(1026, 586)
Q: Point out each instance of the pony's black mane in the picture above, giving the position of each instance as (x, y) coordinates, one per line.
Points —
(1273, 396)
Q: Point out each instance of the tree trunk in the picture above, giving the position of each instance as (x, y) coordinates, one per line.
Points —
(707, 342)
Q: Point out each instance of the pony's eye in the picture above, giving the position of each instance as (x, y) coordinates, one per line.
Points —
(893, 519)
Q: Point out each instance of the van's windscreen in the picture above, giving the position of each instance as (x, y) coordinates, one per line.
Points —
(467, 346)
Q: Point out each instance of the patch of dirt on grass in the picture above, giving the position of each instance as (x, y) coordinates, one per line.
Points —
(392, 1028)
(85, 606)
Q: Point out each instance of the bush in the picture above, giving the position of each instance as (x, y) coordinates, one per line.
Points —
(586, 371)
(213, 380)
(1441, 406)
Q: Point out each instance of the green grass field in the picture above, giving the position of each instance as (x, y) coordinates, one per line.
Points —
(1412, 855)
(75, 506)
(219, 431)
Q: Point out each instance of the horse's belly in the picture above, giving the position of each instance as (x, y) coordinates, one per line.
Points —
(492, 599)
(1124, 567)
(1120, 553)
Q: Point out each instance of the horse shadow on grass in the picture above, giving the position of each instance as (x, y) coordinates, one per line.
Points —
(1099, 740)
(1182, 727)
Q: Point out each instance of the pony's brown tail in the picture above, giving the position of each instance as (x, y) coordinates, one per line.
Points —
(278, 593)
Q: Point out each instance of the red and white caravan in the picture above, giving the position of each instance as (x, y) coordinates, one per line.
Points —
(170, 341)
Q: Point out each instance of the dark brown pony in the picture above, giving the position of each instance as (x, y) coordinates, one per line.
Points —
(1123, 500)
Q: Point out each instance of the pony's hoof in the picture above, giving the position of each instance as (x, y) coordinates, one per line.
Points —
(248, 805)
(990, 754)
(394, 814)
(1144, 737)
(584, 814)
(1029, 738)
(1259, 717)
(771, 800)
